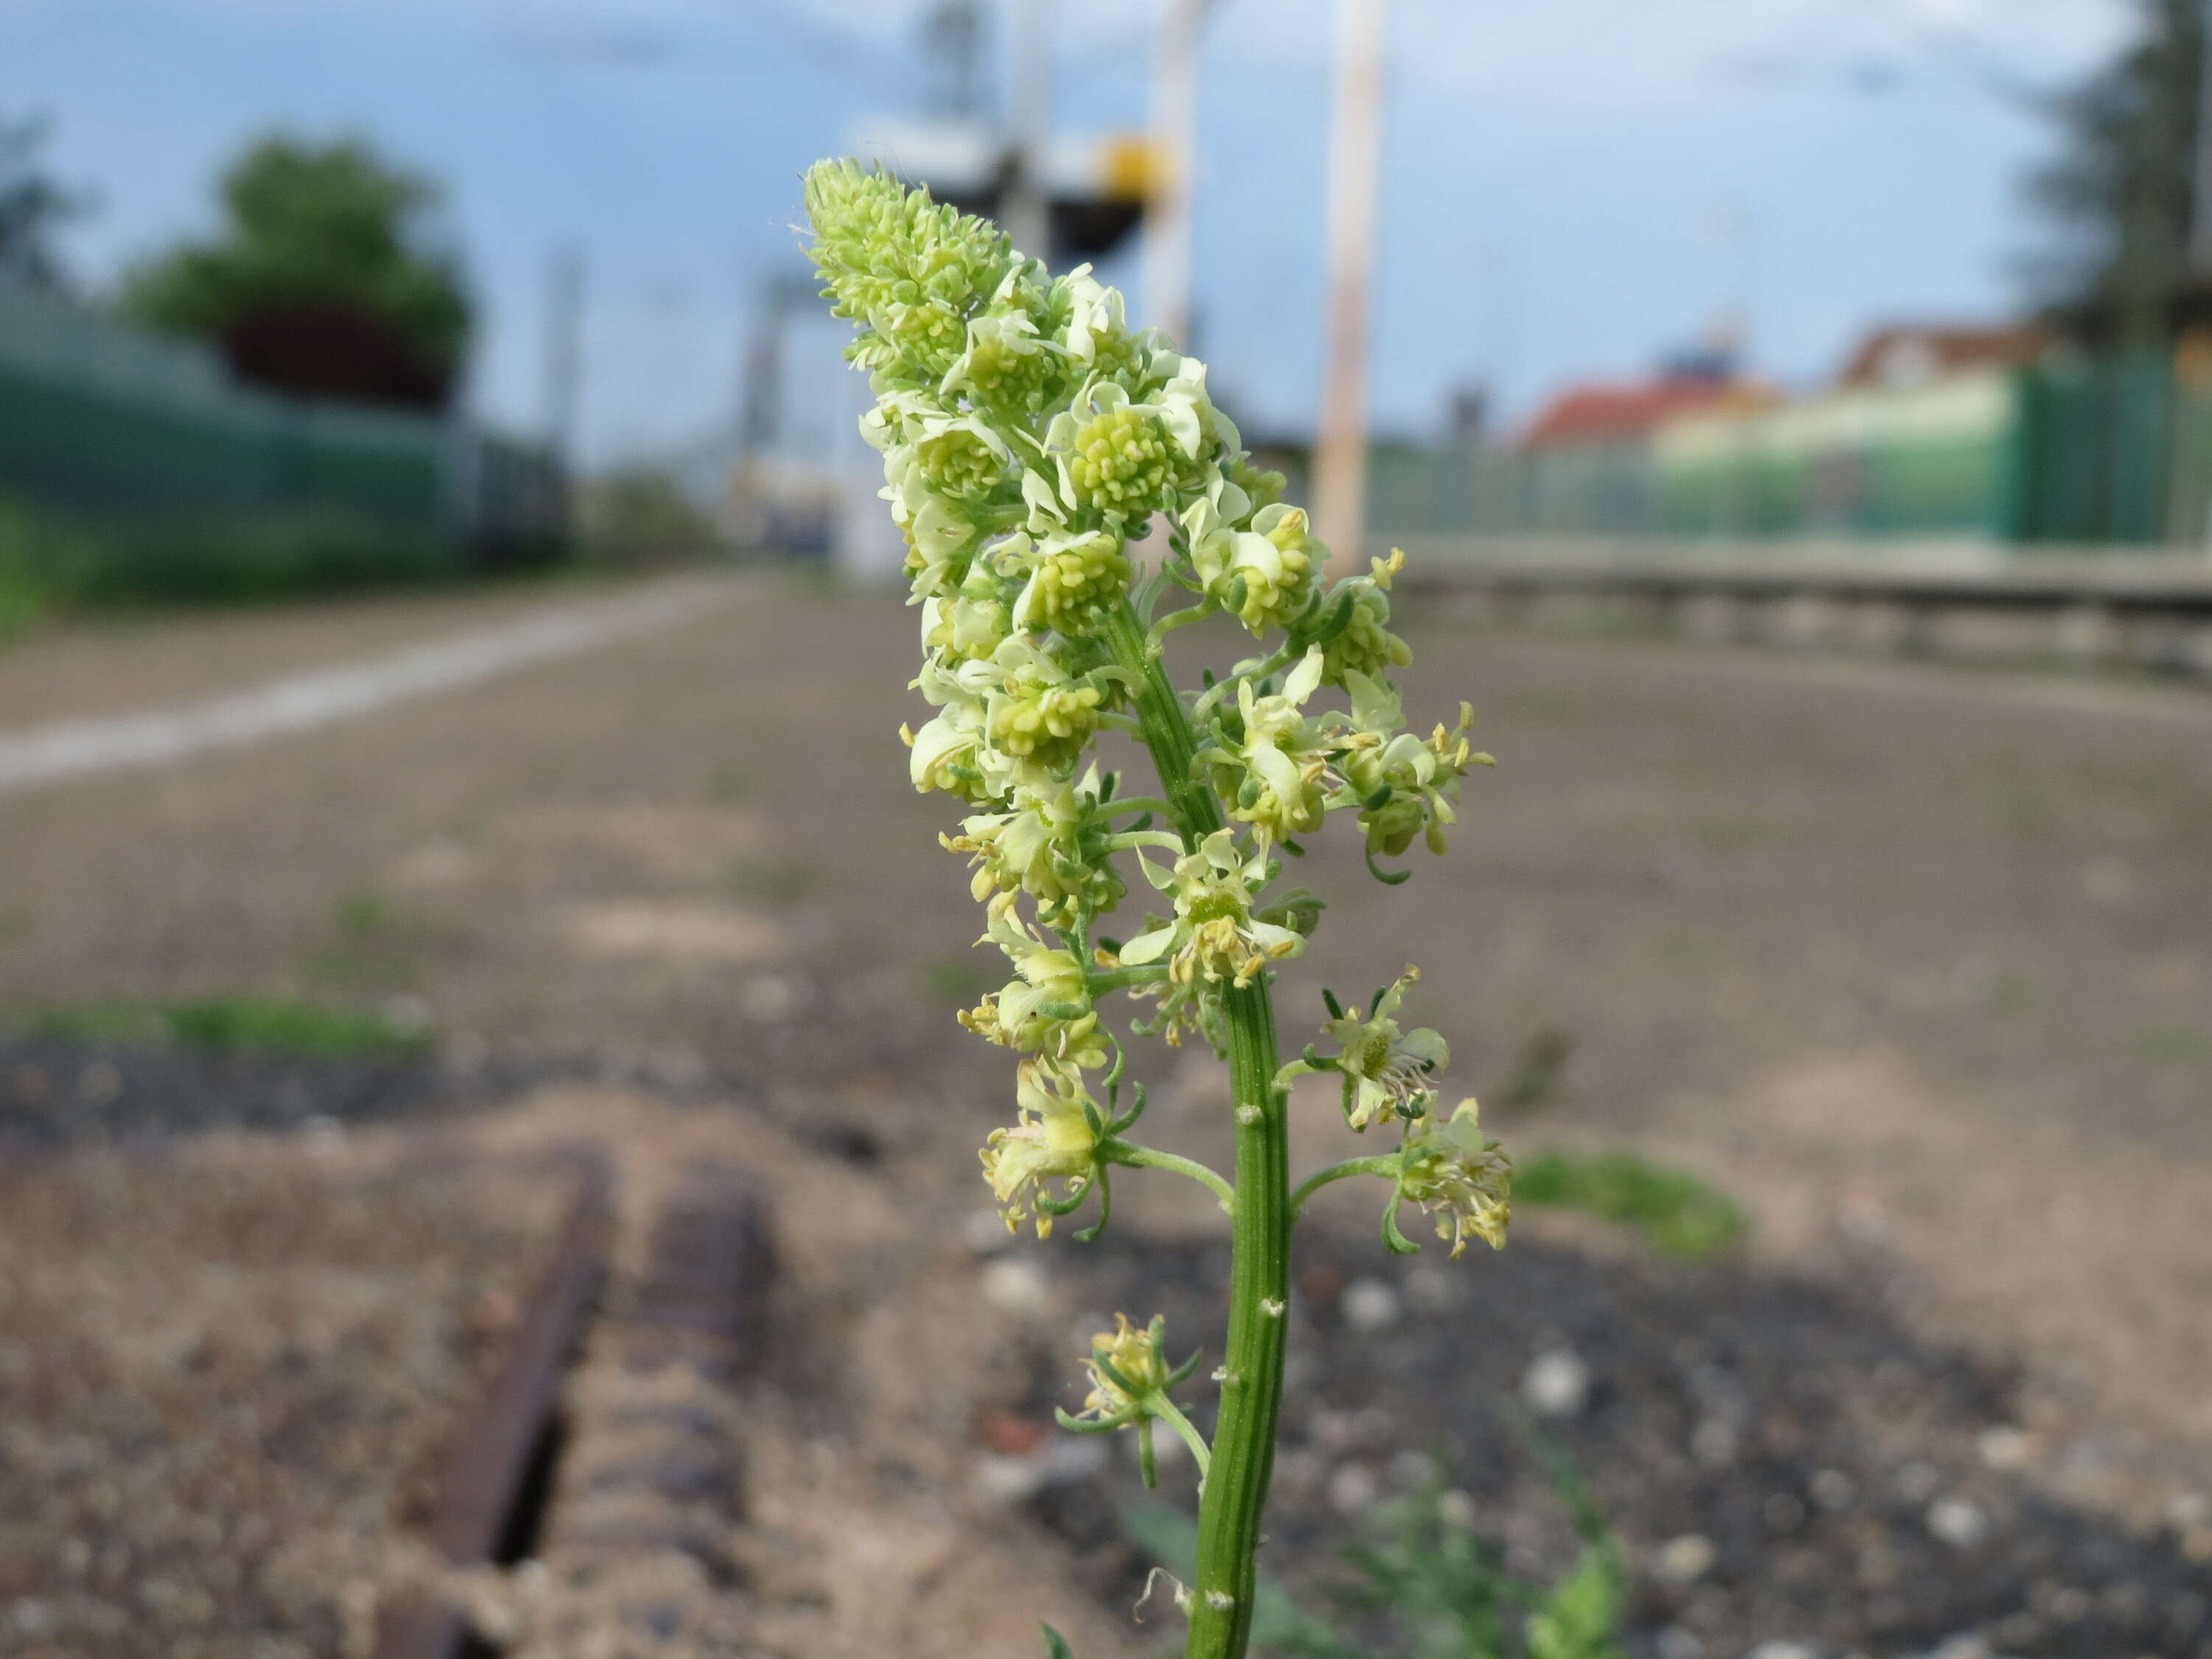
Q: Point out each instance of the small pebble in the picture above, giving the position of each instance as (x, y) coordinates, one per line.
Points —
(1556, 1384)
(1008, 1480)
(1958, 1521)
(1353, 1489)
(1675, 1643)
(1833, 1490)
(1712, 1443)
(1015, 1285)
(1686, 1559)
(1369, 1305)
(1456, 1508)
(1964, 1646)
(2004, 1447)
(1783, 1651)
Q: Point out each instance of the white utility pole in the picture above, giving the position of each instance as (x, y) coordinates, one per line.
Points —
(1026, 213)
(1175, 160)
(1355, 163)
(564, 351)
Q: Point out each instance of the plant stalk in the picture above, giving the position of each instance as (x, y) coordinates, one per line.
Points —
(1259, 1284)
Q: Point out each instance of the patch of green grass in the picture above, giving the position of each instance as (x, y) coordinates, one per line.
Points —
(2172, 1045)
(236, 1024)
(1675, 1211)
(956, 979)
(773, 882)
(364, 914)
(376, 934)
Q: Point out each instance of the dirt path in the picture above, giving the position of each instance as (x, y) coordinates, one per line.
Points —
(179, 730)
(1921, 972)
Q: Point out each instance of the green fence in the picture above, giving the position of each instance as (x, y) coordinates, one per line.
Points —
(2091, 451)
(147, 444)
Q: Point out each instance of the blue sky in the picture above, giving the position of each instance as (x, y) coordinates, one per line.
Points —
(1562, 171)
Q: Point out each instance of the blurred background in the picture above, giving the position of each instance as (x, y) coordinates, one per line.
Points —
(485, 1150)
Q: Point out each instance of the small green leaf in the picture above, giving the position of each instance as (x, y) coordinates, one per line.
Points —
(1055, 1646)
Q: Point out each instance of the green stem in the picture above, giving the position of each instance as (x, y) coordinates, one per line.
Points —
(1164, 727)
(1259, 1275)
(1164, 1409)
(1151, 1157)
(1386, 1166)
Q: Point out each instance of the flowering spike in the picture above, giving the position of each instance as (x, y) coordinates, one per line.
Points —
(1028, 434)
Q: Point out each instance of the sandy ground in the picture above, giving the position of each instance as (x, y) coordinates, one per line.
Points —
(1917, 965)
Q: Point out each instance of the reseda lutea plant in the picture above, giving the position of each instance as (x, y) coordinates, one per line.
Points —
(1028, 434)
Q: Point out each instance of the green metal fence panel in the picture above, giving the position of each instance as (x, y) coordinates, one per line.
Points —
(2099, 447)
(100, 418)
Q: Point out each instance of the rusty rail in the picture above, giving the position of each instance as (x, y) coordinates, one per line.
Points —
(487, 1462)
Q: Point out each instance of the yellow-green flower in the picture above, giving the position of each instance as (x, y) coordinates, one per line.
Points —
(960, 456)
(1049, 1007)
(1264, 575)
(1052, 1140)
(1407, 787)
(1386, 1070)
(1008, 365)
(1074, 582)
(1039, 847)
(1214, 936)
(1127, 1366)
(969, 626)
(1463, 1180)
(1040, 713)
(1116, 456)
(1367, 646)
(1277, 777)
(953, 752)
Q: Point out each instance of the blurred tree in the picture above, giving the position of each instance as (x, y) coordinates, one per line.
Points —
(32, 205)
(2116, 200)
(322, 280)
